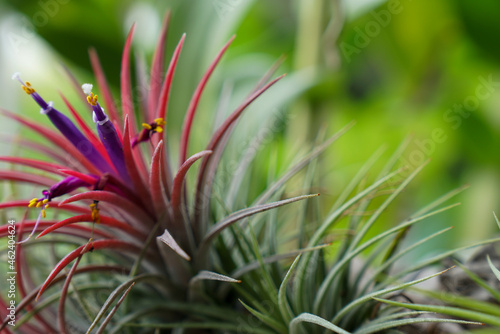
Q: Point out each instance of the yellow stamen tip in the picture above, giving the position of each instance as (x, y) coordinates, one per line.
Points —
(45, 201)
(39, 204)
(159, 129)
(159, 121)
(27, 88)
(146, 126)
(89, 100)
(95, 213)
(43, 213)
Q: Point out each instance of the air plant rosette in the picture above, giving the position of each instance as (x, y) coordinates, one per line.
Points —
(138, 250)
(137, 207)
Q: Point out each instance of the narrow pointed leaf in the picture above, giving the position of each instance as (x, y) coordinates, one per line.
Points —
(205, 275)
(207, 168)
(132, 167)
(233, 218)
(104, 87)
(380, 328)
(453, 311)
(369, 296)
(180, 176)
(167, 84)
(493, 268)
(113, 310)
(125, 85)
(120, 290)
(313, 319)
(322, 291)
(26, 177)
(109, 197)
(97, 245)
(38, 164)
(168, 240)
(265, 318)
(157, 69)
(155, 181)
(193, 104)
(285, 309)
(104, 221)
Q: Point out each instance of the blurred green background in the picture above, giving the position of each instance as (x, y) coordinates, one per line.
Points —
(418, 70)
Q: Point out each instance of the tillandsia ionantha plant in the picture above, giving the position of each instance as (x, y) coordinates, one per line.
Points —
(138, 209)
(119, 245)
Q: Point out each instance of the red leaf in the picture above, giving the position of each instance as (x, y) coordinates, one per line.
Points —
(98, 244)
(34, 146)
(47, 224)
(25, 302)
(26, 177)
(124, 204)
(155, 181)
(38, 164)
(104, 88)
(193, 104)
(180, 176)
(167, 84)
(105, 221)
(125, 85)
(157, 69)
(54, 205)
(132, 168)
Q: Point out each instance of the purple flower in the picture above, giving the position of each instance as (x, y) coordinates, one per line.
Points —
(148, 130)
(63, 187)
(107, 134)
(67, 128)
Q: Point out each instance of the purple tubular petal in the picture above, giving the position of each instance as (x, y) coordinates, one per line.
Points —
(71, 132)
(111, 141)
(66, 186)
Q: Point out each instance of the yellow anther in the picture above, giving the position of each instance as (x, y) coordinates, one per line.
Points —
(33, 202)
(27, 88)
(39, 204)
(43, 213)
(45, 201)
(95, 213)
(159, 129)
(92, 99)
(160, 121)
(146, 126)
(46, 206)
